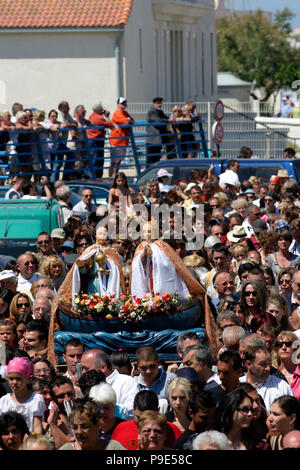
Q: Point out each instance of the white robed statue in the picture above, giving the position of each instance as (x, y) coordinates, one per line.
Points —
(156, 268)
(103, 266)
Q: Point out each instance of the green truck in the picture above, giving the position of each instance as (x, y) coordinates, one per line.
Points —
(21, 220)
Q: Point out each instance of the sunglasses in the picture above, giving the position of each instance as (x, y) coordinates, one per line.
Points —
(87, 195)
(226, 283)
(82, 244)
(44, 242)
(288, 344)
(29, 262)
(247, 294)
(284, 281)
(245, 410)
(25, 304)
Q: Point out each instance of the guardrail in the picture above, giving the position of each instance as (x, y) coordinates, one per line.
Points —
(40, 152)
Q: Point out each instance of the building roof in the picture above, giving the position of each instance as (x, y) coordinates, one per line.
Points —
(64, 13)
(228, 79)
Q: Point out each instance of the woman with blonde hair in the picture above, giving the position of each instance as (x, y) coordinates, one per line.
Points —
(179, 392)
(21, 304)
(239, 253)
(223, 199)
(53, 266)
(36, 442)
(240, 205)
(284, 351)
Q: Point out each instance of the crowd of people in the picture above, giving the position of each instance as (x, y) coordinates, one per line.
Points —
(241, 395)
(58, 141)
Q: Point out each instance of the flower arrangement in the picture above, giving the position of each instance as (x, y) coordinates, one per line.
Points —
(125, 308)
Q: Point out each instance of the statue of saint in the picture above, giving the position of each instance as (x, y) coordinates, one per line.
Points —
(156, 267)
(102, 265)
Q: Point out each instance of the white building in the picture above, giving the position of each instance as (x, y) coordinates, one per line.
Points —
(89, 50)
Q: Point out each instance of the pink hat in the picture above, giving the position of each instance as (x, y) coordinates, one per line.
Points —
(21, 365)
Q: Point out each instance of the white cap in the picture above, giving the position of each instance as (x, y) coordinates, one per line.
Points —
(162, 173)
(122, 100)
(7, 274)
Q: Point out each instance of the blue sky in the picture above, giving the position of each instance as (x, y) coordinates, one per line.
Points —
(270, 5)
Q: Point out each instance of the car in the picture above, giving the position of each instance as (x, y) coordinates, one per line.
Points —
(21, 221)
(100, 190)
(181, 168)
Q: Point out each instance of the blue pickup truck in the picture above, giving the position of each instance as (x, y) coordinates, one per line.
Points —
(181, 168)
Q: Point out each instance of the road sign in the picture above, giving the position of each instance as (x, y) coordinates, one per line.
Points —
(218, 132)
(219, 110)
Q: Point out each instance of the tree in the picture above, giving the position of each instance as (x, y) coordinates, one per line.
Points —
(257, 50)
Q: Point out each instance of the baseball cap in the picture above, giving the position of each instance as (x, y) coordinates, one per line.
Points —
(274, 179)
(7, 274)
(162, 173)
(249, 191)
(122, 100)
(211, 241)
(189, 373)
(281, 224)
(58, 233)
(67, 244)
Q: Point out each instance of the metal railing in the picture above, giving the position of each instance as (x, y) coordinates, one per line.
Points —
(240, 128)
(40, 153)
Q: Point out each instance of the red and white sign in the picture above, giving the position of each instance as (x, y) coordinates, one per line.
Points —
(219, 110)
(218, 132)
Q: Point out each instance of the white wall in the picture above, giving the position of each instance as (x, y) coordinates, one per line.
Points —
(139, 50)
(40, 69)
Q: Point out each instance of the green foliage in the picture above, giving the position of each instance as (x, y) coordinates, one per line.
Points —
(255, 49)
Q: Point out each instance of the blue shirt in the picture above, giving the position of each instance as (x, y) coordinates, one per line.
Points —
(160, 386)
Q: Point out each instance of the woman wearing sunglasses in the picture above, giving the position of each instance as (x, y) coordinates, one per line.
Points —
(284, 280)
(54, 267)
(234, 418)
(253, 300)
(81, 242)
(21, 304)
(284, 352)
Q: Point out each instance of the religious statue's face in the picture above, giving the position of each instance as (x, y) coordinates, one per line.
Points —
(146, 232)
(101, 236)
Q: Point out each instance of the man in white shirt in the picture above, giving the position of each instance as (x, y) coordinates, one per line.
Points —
(85, 205)
(230, 175)
(125, 386)
(258, 364)
(253, 213)
(27, 266)
(15, 192)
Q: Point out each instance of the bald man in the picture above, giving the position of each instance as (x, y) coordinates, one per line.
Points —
(125, 386)
(291, 440)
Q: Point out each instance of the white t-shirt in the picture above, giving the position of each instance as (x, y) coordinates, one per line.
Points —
(34, 406)
(271, 389)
